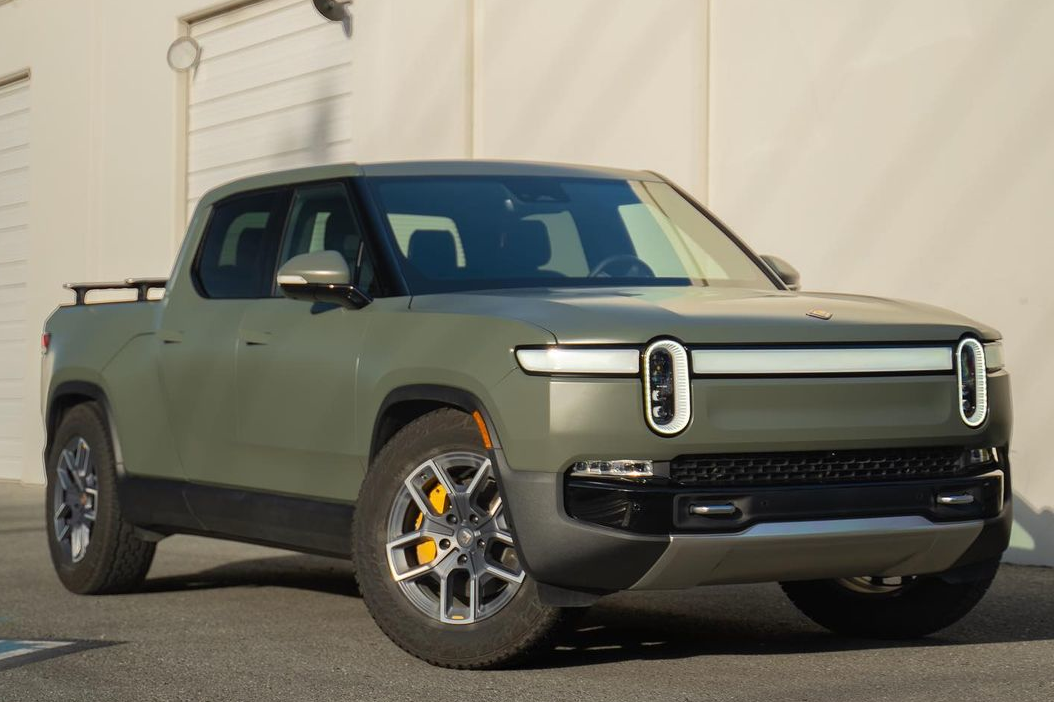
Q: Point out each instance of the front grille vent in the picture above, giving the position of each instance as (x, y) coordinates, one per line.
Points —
(823, 467)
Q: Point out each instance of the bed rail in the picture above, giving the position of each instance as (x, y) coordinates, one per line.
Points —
(142, 286)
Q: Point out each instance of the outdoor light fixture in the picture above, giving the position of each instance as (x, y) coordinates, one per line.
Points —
(184, 54)
(335, 11)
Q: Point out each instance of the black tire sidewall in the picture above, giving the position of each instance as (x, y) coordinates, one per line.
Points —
(519, 625)
(921, 609)
(86, 420)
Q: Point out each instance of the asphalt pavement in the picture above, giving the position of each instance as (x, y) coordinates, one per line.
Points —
(224, 621)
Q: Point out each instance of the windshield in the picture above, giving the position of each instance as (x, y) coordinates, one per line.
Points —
(486, 232)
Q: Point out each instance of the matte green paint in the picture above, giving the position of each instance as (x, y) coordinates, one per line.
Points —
(277, 395)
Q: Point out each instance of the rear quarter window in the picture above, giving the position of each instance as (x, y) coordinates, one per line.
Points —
(240, 246)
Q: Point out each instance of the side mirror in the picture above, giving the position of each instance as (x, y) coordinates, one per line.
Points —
(786, 272)
(321, 276)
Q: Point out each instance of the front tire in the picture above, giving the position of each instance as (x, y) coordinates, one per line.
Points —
(887, 608)
(435, 556)
(94, 550)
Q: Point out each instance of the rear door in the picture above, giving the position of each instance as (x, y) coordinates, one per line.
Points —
(297, 361)
(198, 333)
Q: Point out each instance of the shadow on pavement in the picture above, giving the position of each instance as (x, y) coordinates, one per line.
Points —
(1038, 527)
(301, 572)
(758, 620)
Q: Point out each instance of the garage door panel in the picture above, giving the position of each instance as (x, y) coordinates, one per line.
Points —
(14, 187)
(12, 294)
(13, 215)
(276, 23)
(272, 92)
(14, 132)
(281, 59)
(14, 330)
(14, 271)
(326, 84)
(14, 158)
(14, 135)
(14, 98)
(201, 182)
(289, 130)
(13, 243)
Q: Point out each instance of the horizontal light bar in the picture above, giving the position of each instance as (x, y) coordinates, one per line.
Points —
(612, 469)
(905, 359)
(993, 356)
(580, 361)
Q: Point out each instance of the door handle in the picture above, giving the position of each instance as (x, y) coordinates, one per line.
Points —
(170, 336)
(250, 337)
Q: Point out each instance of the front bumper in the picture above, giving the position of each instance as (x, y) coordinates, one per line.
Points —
(779, 534)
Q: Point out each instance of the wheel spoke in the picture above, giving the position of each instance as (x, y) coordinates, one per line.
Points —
(473, 596)
(79, 541)
(478, 480)
(444, 479)
(450, 610)
(401, 570)
(81, 458)
(71, 468)
(502, 573)
(504, 537)
(66, 481)
(444, 597)
(63, 532)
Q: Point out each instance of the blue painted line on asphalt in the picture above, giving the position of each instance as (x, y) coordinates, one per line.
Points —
(19, 652)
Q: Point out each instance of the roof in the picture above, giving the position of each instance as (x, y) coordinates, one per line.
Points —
(422, 168)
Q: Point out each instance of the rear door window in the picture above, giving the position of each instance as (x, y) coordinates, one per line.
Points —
(238, 253)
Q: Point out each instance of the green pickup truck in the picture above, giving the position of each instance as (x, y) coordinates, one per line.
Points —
(505, 390)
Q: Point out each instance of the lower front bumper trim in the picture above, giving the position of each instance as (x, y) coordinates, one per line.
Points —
(806, 550)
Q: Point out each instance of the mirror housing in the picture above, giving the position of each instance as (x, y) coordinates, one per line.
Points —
(784, 271)
(320, 276)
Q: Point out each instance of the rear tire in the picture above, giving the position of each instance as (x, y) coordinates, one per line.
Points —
(94, 550)
(416, 612)
(919, 607)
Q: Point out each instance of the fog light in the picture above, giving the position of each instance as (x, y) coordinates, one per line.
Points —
(612, 469)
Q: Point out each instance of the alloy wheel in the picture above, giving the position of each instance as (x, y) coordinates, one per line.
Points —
(75, 502)
(449, 546)
(876, 585)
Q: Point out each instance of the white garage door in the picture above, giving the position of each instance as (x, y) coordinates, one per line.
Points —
(272, 91)
(14, 264)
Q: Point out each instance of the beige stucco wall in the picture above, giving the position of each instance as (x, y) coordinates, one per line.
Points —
(898, 148)
(904, 148)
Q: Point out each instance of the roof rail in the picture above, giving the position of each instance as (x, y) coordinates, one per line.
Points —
(142, 286)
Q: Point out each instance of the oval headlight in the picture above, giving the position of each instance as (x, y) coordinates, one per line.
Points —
(972, 376)
(667, 387)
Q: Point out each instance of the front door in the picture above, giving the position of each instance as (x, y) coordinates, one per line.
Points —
(296, 366)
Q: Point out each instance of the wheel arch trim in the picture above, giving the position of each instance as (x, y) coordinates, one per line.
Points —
(458, 398)
(95, 393)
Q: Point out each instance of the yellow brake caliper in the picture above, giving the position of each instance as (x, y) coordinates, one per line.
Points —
(426, 550)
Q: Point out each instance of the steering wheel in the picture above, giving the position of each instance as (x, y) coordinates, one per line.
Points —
(635, 268)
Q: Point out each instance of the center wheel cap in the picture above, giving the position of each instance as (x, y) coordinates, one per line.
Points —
(465, 537)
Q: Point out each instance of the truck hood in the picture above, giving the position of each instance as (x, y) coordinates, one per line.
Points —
(710, 315)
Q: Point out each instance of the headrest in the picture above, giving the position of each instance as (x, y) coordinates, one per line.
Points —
(340, 233)
(249, 242)
(433, 253)
(526, 245)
